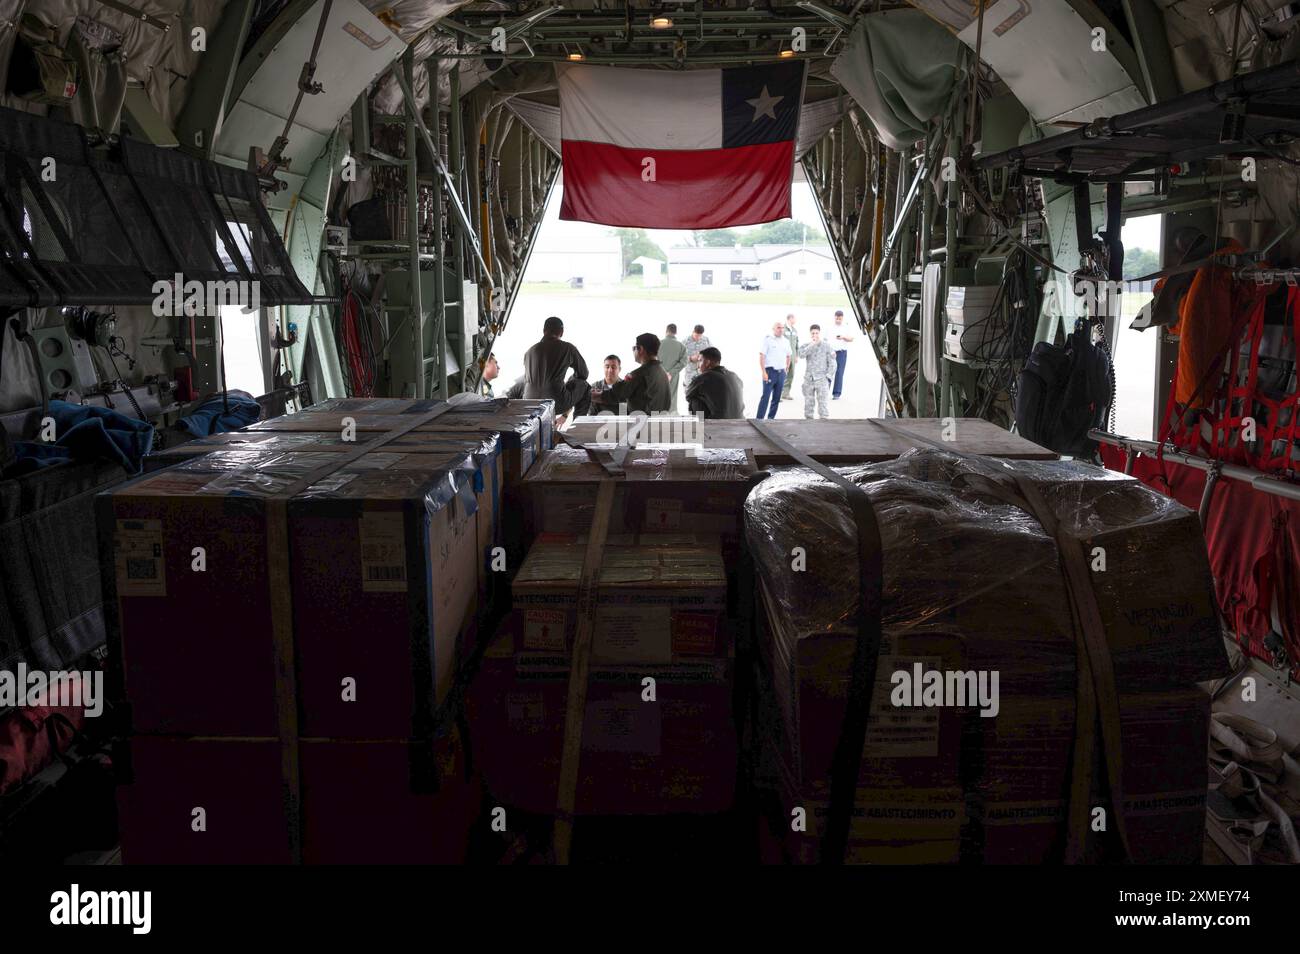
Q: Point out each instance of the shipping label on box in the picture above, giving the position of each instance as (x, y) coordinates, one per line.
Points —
(623, 723)
(629, 634)
(138, 552)
(998, 812)
(891, 816)
(695, 633)
(383, 552)
(526, 712)
(663, 513)
(545, 629)
(901, 732)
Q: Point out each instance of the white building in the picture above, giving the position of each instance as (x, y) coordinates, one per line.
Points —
(772, 267)
(652, 271)
(566, 255)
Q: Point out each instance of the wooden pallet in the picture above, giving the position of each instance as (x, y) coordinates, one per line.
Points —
(830, 442)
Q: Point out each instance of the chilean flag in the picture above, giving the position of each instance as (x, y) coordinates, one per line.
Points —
(694, 149)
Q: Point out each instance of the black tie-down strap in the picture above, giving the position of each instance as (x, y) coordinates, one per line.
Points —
(847, 762)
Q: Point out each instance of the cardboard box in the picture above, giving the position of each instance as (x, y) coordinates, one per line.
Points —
(1018, 806)
(257, 448)
(384, 571)
(889, 826)
(522, 438)
(654, 604)
(677, 754)
(358, 803)
(668, 491)
(524, 428)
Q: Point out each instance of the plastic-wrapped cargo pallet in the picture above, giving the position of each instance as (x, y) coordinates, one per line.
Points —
(973, 584)
(340, 580)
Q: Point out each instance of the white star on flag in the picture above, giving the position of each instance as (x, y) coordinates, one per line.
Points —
(764, 104)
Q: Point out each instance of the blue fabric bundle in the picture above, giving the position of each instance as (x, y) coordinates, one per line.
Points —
(211, 417)
(84, 433)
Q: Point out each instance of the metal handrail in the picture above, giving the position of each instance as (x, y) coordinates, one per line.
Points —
(1266, 483)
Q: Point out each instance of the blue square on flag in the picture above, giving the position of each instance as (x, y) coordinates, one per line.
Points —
(761, 104)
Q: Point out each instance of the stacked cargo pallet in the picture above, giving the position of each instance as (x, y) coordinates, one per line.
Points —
(655, 732)
(290, 605)
(1088, 598)
(610, 689)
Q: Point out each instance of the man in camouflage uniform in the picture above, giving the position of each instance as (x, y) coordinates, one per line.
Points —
(695, 343)
(819, 365)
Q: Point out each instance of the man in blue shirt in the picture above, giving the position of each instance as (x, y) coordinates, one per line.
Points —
(774, 360)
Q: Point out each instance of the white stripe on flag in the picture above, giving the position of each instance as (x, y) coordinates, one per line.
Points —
(641, 109)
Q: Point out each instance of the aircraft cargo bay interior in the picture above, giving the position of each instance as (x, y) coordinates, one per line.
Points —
(735, 433)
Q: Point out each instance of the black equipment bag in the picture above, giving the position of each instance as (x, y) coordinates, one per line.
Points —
(368, 220)
(1062, 392)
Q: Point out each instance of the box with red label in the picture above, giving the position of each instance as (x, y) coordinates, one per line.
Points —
(655, 603)
(655, 739)
(659, 490)
(376, 571)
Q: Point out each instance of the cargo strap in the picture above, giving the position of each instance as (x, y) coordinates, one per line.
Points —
(1096, 695)
(846, 764)
(611, 462)
(282, 633)
(579, 668)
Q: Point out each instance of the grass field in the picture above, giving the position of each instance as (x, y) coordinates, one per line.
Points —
(631, 288)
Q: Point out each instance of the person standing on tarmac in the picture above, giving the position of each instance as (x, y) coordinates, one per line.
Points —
(792, 336)
(843, 338)
(672, 355)
(819, 365)
(774, 361)
(695, 343)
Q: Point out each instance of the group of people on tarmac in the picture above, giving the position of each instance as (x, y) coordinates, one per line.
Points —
(824, 357)
(663, 363)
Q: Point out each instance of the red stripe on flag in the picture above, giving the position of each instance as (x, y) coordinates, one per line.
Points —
(693, 189)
